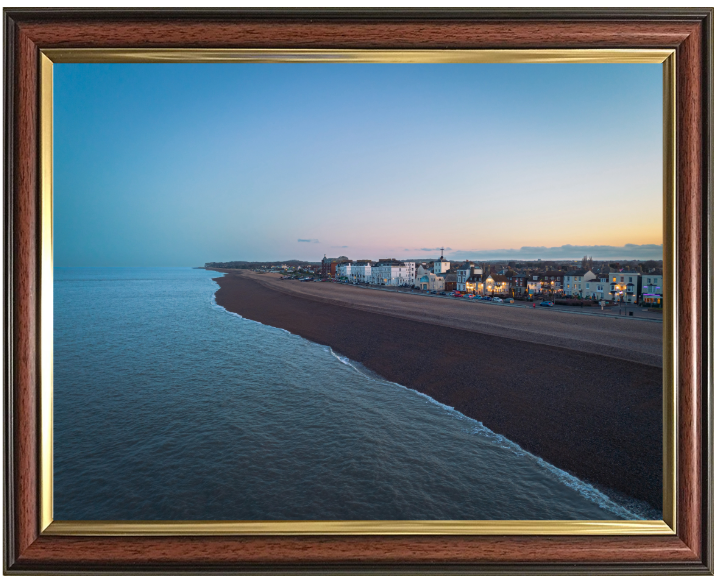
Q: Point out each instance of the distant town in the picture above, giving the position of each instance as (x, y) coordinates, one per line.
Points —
(558, 282)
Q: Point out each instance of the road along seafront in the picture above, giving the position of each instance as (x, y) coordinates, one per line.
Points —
(582, 392)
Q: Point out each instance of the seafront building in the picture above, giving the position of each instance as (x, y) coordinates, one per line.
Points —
(534, 286)
(574, 279)
(328, 265)
(465, 271)
(496, 285)
(441, 265)
(552, 281)
(475, 284)
(450, 281)
(519, 285)
(625, 286)
(598, 289)
(360, 271)
(630, 286)
(651, 290)
(342, 270)
(391, 272)
(652, 284)
(427, 280)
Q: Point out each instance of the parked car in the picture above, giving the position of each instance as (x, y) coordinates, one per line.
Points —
(457, 295)
(496, 299)
(547, 303)
(509, 301)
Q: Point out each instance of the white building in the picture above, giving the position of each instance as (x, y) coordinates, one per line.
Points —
(390, 272)
(342, 270)
(534, 286)
(427, 280)
(419, 273)
(575, 281)
(598, 289)
(440, 266)
(411, 272)
(360, 272)
(625, 285)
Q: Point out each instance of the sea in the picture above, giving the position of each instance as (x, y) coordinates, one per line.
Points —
(169, 407)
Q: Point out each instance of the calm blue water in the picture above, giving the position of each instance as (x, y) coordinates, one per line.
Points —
(168, 407)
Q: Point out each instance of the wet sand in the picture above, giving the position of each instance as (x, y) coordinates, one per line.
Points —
(593, 409)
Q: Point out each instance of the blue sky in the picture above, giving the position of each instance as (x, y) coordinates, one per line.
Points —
(181, 164)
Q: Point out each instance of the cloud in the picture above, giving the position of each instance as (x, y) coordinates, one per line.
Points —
(311, 240)
(566, 252)
(339, 246)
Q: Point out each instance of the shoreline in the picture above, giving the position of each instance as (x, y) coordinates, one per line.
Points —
(615, 502)
(595, 334)
(596, 417)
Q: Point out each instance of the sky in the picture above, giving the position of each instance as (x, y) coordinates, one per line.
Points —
(182, 164)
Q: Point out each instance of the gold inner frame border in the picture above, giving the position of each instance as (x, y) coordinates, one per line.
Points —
(666, 526)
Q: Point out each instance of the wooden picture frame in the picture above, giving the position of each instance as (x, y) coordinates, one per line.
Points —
(28, 32)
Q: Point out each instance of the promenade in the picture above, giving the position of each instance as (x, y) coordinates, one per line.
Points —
(592, 331)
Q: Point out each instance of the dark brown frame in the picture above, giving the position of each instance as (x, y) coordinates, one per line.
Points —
(687, 30)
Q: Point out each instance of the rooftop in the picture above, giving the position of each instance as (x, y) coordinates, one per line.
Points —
(468, 265)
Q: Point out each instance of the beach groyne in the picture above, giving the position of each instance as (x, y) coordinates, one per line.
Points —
(595, 416)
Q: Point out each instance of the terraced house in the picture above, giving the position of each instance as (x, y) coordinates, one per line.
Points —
(391, 272)
(328, 265)
(519, 286)
(475, 284)
(598, 288)
(465, 271)
(496, 284)
(552, 281)
(625, 286)
(651, 290)
(360, 271)
(342, 270)
(574, 281)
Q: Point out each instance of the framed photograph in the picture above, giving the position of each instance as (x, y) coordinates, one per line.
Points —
(358, 290)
